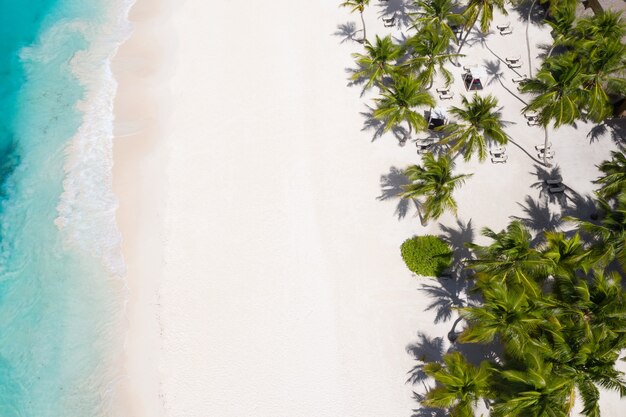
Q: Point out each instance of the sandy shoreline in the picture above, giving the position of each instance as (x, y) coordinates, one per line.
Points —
(263, 267)
(141, 70)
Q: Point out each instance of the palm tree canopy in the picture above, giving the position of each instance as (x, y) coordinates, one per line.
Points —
(558, 91)
(399, 102)
(484, 10)
(438, 15)
(377, 61)
(607, 25)
(479, 121)
(461, 384)
(613, 182)
(511, 258)
(507, 313)
(610, 234)
(356, 5)
(434, 181)
(429, 53)
(562, 24)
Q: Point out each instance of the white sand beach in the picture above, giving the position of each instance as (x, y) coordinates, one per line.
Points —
(263, 264)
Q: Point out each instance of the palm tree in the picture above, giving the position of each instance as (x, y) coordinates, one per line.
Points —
(592, 318)
(433, 181)
(606, 25)
(603, 68)
(507, 313)
(610, 234)
(377, 62)
(479, 120)
(398, 104)
(461, 384)
(535, 391)
(566, 255)
(429, 53)
(482, 9)
(438, 15)
(558, 93)
(562, 24)
(510, 258)
(613, 182)
(358, 6)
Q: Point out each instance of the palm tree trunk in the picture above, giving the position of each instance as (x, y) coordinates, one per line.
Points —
(545, 145)
(363, 22)
(465, 37)
(530, 11)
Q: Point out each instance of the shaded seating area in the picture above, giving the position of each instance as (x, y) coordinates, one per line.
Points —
(473, 79)
(436, 117)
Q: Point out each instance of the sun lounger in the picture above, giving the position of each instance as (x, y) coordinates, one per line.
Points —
(513, 58)
(422, 149)
(443, 90)
(516, 64)
(548, 154)
(557, 189)
(503, 26)
(497, 151)
(554, 181)
(499, 159)
(389, 21)
(446, 96)
(541, 147)
(506, 31)
(532, 121)
(519, 79)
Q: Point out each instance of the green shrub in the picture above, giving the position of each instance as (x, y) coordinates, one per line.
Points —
(426, 255)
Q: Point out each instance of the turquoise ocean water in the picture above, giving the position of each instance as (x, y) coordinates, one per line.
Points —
(61, 288)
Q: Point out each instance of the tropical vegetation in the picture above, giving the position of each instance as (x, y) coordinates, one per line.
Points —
(426, 255)
(548, 308)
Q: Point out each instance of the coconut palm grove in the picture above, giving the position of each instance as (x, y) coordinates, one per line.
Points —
(548, 307)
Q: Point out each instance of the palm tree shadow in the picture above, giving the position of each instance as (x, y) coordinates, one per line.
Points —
(423, 351)
(424, 411)
(458, 238)
(495, 72)
(446, 295)
(538, 14)
(583, 207)
(476, 353)
(398, 8)
(392, 184)
(346, 32)
(378, 126)
(615, 127)
(539, 217)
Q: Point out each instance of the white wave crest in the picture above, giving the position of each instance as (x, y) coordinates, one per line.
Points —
(87, 206)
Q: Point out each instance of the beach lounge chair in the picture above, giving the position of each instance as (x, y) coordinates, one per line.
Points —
(519, 79)
(499, 159)
(446, 96)
(497, 151)
(503, 26)
(557, 189)
(531, 115)
(542, 146)
(548, 154)
(442, 90)
(513, 58)
(532, 121)
(516, 64)
(424, 148)
(389, 21)
(506, 31)
(554, 181)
